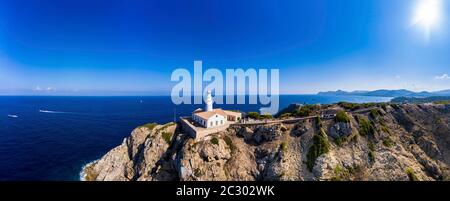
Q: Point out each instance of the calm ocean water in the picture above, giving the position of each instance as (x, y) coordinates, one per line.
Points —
(51, 138)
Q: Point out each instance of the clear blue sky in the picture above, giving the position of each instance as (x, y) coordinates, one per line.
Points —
(131, 47)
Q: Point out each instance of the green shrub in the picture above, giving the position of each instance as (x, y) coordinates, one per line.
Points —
(167, 137)
(374, 113)
(306, 110)
(342, 116)
(229, 142)
(320, 146)
(411, 175)
(253, 115)
(340, 173)
(388, 142)
(266, 116)
(318, 122)
(371, 156)
(339, 141)
(349, 106)
(284, 146)
(198, 172)
(365, 127)
(395, 106)
(166, 125)
(371, 146)
(150, 126)
(303, 111)
(215, 141)
(285, 115)
(367, 105)
(386, 130)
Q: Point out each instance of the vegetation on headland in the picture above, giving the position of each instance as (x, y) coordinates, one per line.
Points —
(150, 126)
(215, 141)
(374, 113)
(318, 122)
(320, 146)
(166, 125)
(388, 142)
(366, 127)
(340, 173)
(285, 115)
(167, 137)
(266, 116)
(298, 110)
(416, 100)
(357, 106)
(342, 116)
(229, 142)
(257, 116)
(198, 172)
(411, 175)
(284, 146)
(306, 110)
(340, 141)
(253, 115)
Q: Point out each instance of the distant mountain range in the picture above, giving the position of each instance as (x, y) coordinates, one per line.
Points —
(387, 93)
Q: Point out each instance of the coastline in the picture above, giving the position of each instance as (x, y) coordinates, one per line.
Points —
(83, 173)
(362, 142)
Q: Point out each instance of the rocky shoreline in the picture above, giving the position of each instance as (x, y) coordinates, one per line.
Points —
(389, 142)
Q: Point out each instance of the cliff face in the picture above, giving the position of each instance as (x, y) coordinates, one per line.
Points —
(386, 142)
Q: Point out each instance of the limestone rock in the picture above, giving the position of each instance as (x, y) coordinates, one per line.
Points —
(340, 129)
(406, 142)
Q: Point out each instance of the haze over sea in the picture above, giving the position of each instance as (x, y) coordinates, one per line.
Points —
(51, 138)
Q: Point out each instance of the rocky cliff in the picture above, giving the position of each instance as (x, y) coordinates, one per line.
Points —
(380, 142)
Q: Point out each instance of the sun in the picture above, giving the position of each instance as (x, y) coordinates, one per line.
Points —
(427, 15)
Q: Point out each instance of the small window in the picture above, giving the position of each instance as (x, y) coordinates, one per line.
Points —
(221, 122)
(217, 123)
(211, 123)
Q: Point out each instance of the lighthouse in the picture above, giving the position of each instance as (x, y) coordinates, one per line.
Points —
(209, 102)
(210, 118)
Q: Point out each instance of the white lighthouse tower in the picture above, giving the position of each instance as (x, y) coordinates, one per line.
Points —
(209, 102)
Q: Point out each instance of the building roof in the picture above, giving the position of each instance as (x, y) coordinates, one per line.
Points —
(208, 114)
(232, 113)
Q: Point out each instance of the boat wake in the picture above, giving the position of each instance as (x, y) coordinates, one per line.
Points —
(49, 111)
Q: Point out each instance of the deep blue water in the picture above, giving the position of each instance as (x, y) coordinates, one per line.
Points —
(72, 131)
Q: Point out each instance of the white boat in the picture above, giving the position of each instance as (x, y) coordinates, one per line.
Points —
(12, 115)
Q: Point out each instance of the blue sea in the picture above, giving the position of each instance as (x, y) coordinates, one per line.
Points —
(52, 138)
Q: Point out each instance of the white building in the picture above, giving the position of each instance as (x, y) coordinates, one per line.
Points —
(210, 117)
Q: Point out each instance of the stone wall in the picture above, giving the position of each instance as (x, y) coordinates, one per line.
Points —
(198, 133)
